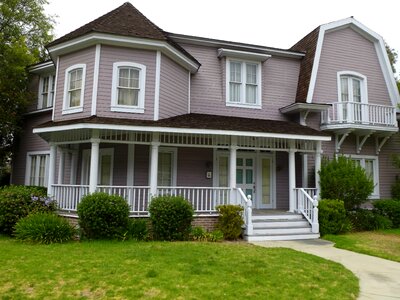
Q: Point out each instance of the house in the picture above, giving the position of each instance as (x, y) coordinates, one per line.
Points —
(126, 108)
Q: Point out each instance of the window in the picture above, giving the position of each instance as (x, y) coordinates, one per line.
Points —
(46, 91)
(128, 87)
(106, 164)
(167, 167)
(37, 166)
(243, 83)
(74, 88)
(371, 166)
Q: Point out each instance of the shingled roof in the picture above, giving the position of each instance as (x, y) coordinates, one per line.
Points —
(308, 44)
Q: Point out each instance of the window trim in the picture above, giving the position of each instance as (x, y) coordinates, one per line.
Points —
(142, 85)
(52, 79)
(363, 88)
(28, 166)
(75, 109)
(242, 104)
(376, 193)
(85, 163)
(174, 163)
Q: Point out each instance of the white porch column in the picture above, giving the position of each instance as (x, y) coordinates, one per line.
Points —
(292, 176)
(52, 169)
(232, 164)
(155, 144)
(318, 165)
(94, 164)
(61, 167)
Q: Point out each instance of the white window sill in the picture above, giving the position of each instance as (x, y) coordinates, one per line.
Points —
(128, 109)
(243, 105)
(72, 110)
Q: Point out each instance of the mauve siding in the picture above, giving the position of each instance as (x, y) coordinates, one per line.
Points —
(282, 180)
(279, 84)
(193, 163)
(28, 142)
(33, 88)
(108, 56)
(347, 50)
(141, 165)
(85, 56)
(174, 89)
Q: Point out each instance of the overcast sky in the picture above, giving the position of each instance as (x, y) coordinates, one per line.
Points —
(264, 22)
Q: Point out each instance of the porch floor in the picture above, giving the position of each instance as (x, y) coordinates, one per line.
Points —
(262, 212)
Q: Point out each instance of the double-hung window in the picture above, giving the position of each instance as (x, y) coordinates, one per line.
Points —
(352, 97)
(74, 89)
(46, 91)
(128, 87)
(167, 159)
(243, 83)
(371, 167)
(37, 166)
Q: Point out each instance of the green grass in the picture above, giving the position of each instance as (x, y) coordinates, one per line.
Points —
(162, 270)
(382, 243)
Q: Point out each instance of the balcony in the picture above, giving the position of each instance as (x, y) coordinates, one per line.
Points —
(359, 116)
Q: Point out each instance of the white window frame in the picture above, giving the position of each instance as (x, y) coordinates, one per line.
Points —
(50, 93)
(174, 163)
(29, 156)
(75, 109)
(86, 165)
(375, 194)
(243, 102)
(142, 84)
(363, 87)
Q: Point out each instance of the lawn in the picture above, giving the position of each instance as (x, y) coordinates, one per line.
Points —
(382, 243)
(163, 270)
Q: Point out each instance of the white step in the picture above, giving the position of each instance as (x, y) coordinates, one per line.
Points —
(277, 217)
(281, 237)
(281, 230)
(280, 223)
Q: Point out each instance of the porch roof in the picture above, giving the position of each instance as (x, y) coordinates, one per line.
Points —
(193, 123)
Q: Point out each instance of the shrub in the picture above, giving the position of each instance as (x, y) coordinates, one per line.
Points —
(171, 218)
(44, 228)
(137, 229)
(230, 221)
(332, 217)
(215, 236)
(366, 220)
(201, 235)
(344, 179)
(389, 209)
(17, 202)
(103, 216)
(395, 189)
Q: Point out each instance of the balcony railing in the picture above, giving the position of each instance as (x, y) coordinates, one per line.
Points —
(360, 114)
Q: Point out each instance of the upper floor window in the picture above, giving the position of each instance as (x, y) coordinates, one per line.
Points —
(243, 83)
(74, 87)
(128, 87)
(46, 91)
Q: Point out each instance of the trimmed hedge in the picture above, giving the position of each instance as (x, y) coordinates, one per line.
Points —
(390, 209)
(366, 220)
(332, 217)
(103, 216)
(171, 218)
(230, 221)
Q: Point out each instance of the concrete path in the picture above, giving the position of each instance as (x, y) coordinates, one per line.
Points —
(379, 278)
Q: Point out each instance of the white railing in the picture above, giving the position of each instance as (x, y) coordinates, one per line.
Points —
(136, 196)
(68, 196)
(203, 199)
(307, 205)
(359, 113)
(247, 204)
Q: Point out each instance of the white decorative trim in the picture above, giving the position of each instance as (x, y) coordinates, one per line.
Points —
(130, 179)
(74, 109)
(49, 91)
(244, 55)
(364, 85)
(95, 79)
(179, 130)
(142, 91)
(47, 66)
(189, 91)
(55, 88)
(157, 87)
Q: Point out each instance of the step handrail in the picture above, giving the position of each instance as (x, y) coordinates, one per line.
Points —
(248, 210)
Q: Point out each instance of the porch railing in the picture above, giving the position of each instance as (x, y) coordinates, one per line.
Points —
(247, 204)
(360, 113)
(203, 199)
(68, 196)
(307, 205)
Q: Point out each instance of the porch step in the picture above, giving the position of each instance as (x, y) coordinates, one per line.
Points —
(285, 226)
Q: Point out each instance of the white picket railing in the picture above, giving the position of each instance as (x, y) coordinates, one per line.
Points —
(307, 205)
(360, 113)
(68, 196)
(203, 199)
(247, 204)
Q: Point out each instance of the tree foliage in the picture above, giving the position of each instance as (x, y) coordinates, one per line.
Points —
(24, 30)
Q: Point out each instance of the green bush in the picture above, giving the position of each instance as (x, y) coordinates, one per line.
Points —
(137, 229)
(103, 216)
(344, 179)
(332, 217)
(395, 189)
(44, 228)
(366, 220)
(171, 218)
(201, 235)
(17, 202)
(389, 209)
(230, 221)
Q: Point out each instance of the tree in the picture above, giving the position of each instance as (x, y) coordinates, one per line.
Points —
(24, 30)
(393, 55)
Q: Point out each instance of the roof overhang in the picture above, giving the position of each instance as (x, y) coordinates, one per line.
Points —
(95, 38)
(301, 107)
(223, 52)
(43, 67)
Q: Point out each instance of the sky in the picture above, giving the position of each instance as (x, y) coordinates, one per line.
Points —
(273, 23)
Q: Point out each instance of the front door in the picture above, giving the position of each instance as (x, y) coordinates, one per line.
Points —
(245, 178)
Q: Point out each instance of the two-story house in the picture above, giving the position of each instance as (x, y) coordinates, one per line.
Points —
(127, 108)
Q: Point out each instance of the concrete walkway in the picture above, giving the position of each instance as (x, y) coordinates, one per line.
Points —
(379, 278)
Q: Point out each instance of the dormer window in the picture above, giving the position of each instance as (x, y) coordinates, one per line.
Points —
(46, 91)
(128, 88)
(74, 89)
